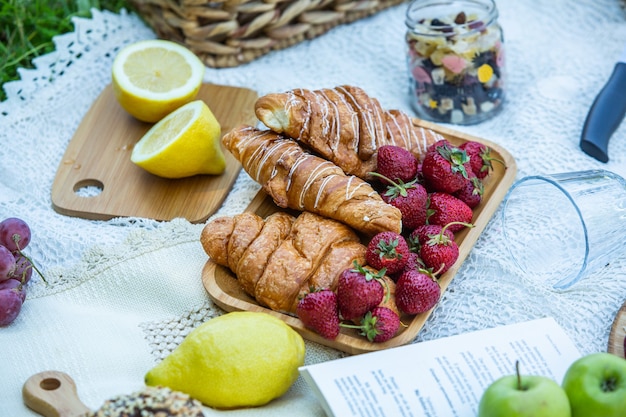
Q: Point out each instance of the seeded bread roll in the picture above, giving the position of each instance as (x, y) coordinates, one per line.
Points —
(151, 402)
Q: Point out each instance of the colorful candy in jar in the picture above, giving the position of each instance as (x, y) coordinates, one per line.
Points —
(456, 63)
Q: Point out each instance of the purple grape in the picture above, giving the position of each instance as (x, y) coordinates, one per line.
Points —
(7, 263)
(10, 306)
(14, 284)
(23, 269)
(12, 228)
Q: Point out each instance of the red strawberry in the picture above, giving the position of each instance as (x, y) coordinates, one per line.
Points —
(413, 262)
(417, 291)
(424, 233)
(359, 290)
(389, 300)
(410, 198)
(480, 158)
(439, 252)
(388, 250)
(378, 325)
(472, 192)
(318, 311)
(433, 147)
(396, 163)
(444, 208)
(445, 167)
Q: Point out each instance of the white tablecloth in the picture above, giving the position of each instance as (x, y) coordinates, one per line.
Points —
(123, 293)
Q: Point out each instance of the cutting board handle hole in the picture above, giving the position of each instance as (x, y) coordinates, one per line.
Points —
(88, 188)
(50, 384)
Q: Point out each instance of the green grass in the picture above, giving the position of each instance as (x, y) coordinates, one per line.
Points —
(28, 26)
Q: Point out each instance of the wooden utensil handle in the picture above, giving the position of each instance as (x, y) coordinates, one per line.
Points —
(53, 394)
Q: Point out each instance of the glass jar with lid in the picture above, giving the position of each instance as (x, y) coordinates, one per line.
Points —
(455, 60)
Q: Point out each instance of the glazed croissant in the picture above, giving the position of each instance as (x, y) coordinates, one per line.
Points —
(343, 125)
(279, 258)
(299, 180)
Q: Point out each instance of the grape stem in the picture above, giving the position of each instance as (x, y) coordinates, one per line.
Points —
(16, 238)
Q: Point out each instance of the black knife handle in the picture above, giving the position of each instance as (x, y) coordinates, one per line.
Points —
(605, 115)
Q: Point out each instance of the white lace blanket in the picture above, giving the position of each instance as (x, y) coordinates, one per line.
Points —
(123, 293)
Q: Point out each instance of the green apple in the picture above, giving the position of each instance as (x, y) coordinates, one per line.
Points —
(524, 396)
(596, 386)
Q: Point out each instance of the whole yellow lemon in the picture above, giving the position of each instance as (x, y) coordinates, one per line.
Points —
(240, 359)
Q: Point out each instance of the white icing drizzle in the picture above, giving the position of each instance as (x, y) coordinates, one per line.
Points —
(300, 158)
(333, 137)
(376, 135)
(307, 120)
(272, 151)
(318, 172)
(383, 127)
(405, 137)
(328, 123)
(290, 101)
(351, 190)
(424, 136)
(259, 153)
(322, 186)
(354, 121)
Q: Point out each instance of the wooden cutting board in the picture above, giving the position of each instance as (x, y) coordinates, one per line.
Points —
(97, 180)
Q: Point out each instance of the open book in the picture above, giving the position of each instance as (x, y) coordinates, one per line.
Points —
(439, 378)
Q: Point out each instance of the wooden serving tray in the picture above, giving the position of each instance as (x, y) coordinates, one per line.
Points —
(222, 286)
(618, 333)
(99, 156)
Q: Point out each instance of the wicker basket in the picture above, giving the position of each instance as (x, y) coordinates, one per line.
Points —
(227, 33)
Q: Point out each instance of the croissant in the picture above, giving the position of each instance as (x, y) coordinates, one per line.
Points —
(279, 258)
(299, 180)
(343, 125)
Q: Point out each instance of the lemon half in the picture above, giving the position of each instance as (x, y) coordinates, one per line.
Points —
(184, 143)
(152, 78)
